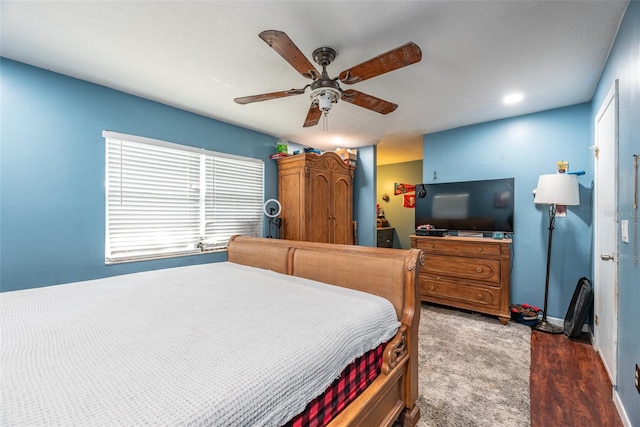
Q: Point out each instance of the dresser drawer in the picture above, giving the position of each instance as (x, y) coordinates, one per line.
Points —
(454, 246)
(463, 268)
(459, 294)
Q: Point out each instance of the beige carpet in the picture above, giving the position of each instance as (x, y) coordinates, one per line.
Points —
(473, 371)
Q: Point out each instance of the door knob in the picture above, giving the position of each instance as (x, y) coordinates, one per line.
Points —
(606, 257)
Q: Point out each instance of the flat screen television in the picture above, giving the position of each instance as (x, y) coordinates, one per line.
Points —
(475, 206)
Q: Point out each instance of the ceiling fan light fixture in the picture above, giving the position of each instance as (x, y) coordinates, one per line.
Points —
(324, 97)
(324, 101)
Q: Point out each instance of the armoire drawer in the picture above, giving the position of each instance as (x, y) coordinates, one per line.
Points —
(455, 292)
(463, 268)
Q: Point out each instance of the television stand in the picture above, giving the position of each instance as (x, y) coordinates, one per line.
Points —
(472, 273)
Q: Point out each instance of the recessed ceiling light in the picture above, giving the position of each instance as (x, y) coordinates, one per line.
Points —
(513, 98)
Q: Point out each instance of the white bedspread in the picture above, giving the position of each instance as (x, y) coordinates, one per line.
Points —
(215, 344)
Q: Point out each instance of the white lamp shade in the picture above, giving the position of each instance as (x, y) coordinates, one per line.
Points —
(558, 189)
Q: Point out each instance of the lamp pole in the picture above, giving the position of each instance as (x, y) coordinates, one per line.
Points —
(544, 325)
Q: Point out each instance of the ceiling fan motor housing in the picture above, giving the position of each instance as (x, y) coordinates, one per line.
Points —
(324, 56)
(324, 91)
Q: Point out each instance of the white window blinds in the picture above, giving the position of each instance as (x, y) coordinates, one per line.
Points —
(166, 199)
(234, 200)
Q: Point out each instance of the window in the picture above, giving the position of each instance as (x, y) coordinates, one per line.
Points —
(165, 199)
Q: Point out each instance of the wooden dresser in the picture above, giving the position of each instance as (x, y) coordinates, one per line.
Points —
(472, 273)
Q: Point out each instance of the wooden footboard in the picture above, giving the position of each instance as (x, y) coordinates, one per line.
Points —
(390, 273)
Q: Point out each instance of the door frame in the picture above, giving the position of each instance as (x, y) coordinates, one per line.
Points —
(611, 97)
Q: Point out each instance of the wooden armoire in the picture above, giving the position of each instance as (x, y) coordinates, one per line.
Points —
(316, 194)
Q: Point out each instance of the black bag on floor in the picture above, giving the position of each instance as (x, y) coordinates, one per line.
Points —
(579, 308)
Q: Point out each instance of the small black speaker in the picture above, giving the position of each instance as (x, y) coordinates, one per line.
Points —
(439, 232)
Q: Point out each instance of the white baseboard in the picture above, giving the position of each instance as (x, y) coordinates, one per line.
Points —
(560, 322)
(556, 321)
(623, 414)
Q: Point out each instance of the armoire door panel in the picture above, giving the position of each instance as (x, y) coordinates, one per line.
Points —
(291, 202)
(342, 210)
(319, 220)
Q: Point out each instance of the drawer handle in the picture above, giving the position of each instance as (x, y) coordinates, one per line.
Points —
(432, 246)
(432, 288)
(479, 296)
(478, 269)
(479, 249)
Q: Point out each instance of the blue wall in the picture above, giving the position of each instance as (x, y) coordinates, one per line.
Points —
(624, 65)
(364, 194)
(524, 148)
(52, 171)
(401, 218)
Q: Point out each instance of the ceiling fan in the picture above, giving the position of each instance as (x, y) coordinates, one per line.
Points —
(326, 91)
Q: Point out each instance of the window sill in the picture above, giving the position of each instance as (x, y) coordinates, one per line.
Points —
(161, 256)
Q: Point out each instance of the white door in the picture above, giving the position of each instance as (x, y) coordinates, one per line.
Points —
(606, 232)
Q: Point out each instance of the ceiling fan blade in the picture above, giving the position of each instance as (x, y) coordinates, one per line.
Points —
(268, 96)
(313, 116)
(367, 101)
(281, 43)
(399, 57)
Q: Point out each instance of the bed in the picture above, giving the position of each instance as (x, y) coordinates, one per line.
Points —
(194, 345)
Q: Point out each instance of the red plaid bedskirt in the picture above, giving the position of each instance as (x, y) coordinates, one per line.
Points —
(354, 379)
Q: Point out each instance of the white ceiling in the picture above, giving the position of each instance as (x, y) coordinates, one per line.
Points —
(199, 56)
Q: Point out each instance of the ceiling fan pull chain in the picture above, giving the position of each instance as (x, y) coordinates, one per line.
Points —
(325, 121)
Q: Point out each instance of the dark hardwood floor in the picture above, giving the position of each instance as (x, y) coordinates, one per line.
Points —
(569, 385)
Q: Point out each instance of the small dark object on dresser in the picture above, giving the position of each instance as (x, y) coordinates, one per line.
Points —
(439, 232)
